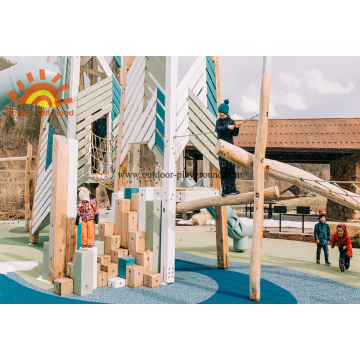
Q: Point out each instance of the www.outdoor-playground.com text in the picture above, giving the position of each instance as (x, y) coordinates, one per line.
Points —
(178, 176)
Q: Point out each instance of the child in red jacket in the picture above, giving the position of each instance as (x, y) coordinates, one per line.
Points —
(89, 213)
(342, 240)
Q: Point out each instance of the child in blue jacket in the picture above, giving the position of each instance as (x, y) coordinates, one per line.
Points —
(322, 237)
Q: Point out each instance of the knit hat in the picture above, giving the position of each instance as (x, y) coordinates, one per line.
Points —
(320, 214)
(343, 226)
(224, 107)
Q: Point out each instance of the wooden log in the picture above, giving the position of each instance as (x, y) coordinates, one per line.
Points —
(136, 242)
(105, 229)
(259, 179)
(112, 242)
(222, 239)
(152, 279)
(145, 259)
(27, 187)
(71, 240)
(200, 219)
(121, 206)
(64, 286)
(129, 222)
(246, 198)
(134, 276)
(58, 208)
(290, 174)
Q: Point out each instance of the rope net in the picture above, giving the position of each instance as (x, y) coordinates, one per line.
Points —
(103, 154)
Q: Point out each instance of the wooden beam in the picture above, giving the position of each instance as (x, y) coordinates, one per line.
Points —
(58, 210)
(34, 238)
(247, 198)
(71, 240)
(21, 158)
(118, 169)
(92, 72)
(27, 187)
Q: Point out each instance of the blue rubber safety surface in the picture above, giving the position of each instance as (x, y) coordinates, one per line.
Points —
(197, 281)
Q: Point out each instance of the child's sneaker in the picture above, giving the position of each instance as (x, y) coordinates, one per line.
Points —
(223, 194)
(318, 261)
(90, 246)
(84, 246)
(328, 263)
(342, 267)
(235, 192)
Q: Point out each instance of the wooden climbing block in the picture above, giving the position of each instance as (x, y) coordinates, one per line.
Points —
(63, 286)
(98, 267)
(94, 253)
(136, 242)
(100, 245)
(134, 276)
(102, 279)
(111, 269)
(134, 202)
(123, 263)
(128, 223)
(153, 231)
(104, 259)
(70, 270)
(105, 229)
(129, 191)
(152, 279)
(145, 259)
(116, 282)
(112, 242)
(145, 194)
(71, 239)
(58, 208)
(121, 206)
(45, 260)
(117, 253)
(84, 274)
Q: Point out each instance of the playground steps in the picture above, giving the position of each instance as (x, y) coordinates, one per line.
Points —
(119, 258)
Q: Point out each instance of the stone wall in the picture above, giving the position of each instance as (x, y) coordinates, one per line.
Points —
(346, 168)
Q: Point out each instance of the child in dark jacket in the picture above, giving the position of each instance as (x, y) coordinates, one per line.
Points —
(342, 240)
(226, 129)
(322, 237)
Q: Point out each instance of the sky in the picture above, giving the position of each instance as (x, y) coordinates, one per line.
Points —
(301, 86)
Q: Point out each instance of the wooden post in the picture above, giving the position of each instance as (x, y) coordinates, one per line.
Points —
(124, 71)
(58, 209)
(259, 176)
(169, 183)
(71, 240)
(27, 187)
(222, 240)
(34, 238)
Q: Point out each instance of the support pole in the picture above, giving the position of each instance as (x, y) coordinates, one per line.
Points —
(125, 67)
(222, 239)
(259, 176)
(27, 187)
(169, 182)
(34, 238)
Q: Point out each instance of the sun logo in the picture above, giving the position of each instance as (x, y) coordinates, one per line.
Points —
(42, 94)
